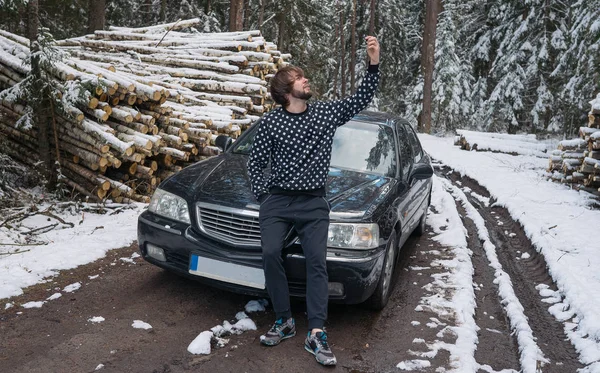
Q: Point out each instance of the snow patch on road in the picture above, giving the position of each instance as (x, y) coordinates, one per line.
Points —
(413, 365)
(73, 287)
(201, 344)
(33, 304)
(54, 296)
(449, 230)
(139, 324)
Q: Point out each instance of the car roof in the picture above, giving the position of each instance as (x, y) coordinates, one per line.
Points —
(377, 117)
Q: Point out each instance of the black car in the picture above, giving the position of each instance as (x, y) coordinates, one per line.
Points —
(203, 221)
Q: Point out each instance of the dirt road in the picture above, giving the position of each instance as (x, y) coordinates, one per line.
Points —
(59, 337)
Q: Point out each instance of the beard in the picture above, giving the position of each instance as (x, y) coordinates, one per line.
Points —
(303, 95)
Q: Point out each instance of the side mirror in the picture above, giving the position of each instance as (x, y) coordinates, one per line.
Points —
(224, 142)
(421, 171)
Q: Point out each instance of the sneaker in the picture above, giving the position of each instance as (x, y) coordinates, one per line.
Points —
(282, 329)
(317, 345)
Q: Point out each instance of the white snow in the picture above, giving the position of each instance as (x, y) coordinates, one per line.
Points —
(457, 274)
(413, 365)
(201, 344)
(256, 305)
(64, 248)
(33, 304)
(73, 287)
(139, 324)
(54, 296)
(96, 319)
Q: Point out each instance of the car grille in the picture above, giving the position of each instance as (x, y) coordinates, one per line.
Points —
(234, 226)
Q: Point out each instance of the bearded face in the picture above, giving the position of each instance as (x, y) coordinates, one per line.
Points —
(303, 94)
(301, 88)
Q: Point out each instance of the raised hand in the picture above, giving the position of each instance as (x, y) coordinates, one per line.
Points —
(373, 49)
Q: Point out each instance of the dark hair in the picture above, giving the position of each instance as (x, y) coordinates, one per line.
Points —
(282, 83)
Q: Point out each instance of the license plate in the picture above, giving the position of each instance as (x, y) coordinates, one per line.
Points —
(227, 272)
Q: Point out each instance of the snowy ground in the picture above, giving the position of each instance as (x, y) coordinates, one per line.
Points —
(81, 237)
(555, 219)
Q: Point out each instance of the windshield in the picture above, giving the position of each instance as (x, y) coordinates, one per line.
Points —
(357, 146)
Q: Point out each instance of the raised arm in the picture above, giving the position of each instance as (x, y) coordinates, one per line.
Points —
(345, 109)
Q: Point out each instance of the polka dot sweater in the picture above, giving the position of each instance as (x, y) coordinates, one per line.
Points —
(299, 145)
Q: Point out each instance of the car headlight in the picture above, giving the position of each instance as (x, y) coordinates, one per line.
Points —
(170, 206)
(353, 236)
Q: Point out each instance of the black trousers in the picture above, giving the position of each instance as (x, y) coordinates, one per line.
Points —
(309, 215)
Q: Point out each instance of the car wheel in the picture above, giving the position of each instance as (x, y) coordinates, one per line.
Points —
(380, 297)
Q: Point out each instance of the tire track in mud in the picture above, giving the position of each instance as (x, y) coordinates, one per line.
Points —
(496, 346)
(527, 269)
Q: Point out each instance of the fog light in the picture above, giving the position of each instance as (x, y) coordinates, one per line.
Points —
(335, 288)
(155, 252)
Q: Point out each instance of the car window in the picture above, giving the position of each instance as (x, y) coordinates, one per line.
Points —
(405, 150)
(414, 143)
(244, 144)
(358, 146)
(365, 147)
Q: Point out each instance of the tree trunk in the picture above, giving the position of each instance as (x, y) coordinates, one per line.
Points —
(281, 31)
(207, 6)
(236, 15)
(372, 19)
(163, 11)
(261, 14)
(342, 51)
(146, 9)
(39, 102)
(353, 49)
(337, 65)
(32, 21)
(428, 62)
(96, 15)
(246, 14)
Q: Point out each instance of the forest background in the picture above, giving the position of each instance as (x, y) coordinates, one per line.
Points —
(503, 65)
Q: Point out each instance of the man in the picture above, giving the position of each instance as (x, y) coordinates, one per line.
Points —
(297, 140)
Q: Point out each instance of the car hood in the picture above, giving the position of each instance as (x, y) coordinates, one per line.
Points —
(224, 180)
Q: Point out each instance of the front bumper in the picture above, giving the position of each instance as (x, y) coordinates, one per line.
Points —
(357, 271)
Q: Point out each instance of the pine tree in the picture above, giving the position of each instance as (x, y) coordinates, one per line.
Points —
(578, 65)
(400, 33)
(453, 78)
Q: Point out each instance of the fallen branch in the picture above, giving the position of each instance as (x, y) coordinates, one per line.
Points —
(51, 226)
(15, 252)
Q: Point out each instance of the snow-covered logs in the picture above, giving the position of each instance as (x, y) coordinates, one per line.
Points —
(577, 161)
(501, 143)
(140, 104)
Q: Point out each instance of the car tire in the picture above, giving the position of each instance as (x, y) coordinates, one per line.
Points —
(384, 288)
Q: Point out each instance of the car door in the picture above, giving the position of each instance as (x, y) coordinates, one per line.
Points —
(418, 188)
(408, 199)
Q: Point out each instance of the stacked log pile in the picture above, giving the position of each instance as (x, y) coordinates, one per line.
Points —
(137, 105)
(577, 161)
(501, 143)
